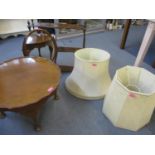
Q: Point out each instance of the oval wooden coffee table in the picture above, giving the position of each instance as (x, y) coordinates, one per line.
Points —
(25, 84)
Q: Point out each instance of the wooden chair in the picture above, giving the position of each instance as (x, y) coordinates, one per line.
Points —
(44, 25)
(30, 26)
(39, 38)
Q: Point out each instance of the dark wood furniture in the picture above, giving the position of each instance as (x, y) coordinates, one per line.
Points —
(125, 33)
(27, 83)
(39, 38)
(45, 26)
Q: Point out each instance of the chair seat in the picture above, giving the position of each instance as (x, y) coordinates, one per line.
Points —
(38, 39)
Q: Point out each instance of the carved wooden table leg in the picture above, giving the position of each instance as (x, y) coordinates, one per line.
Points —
(33, 112)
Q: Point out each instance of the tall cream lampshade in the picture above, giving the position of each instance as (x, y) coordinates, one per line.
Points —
(90, 77)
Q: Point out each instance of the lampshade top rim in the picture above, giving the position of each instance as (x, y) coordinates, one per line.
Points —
(84, 53)
(138, 78)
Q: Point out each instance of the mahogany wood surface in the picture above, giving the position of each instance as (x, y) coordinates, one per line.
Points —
(26, 81)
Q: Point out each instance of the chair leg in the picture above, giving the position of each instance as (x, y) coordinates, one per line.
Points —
(84, 38)
(52, 57)
(39, 52)
(125, 33)
(84, 34)
(148, 37)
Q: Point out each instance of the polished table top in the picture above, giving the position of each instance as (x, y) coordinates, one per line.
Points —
(25, 81)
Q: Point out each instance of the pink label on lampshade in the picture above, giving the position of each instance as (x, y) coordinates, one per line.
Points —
(94, 65)
(132, 95)
(50, 89)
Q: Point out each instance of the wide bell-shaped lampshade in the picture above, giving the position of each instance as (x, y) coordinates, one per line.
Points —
(90, 77)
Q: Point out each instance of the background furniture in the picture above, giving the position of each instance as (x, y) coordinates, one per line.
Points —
(27, 83)
(30, 25)
(148, 37)
(65, 26)
(125, 33)
(65, 68)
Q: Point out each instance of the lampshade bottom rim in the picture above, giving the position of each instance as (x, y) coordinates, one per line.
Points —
(84, 97)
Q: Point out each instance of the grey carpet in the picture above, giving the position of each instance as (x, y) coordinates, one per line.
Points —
(70, 115)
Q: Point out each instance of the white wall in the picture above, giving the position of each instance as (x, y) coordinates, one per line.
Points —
(12, 26)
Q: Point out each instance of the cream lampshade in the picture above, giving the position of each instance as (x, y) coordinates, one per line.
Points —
(130, 100)
(90, 77)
